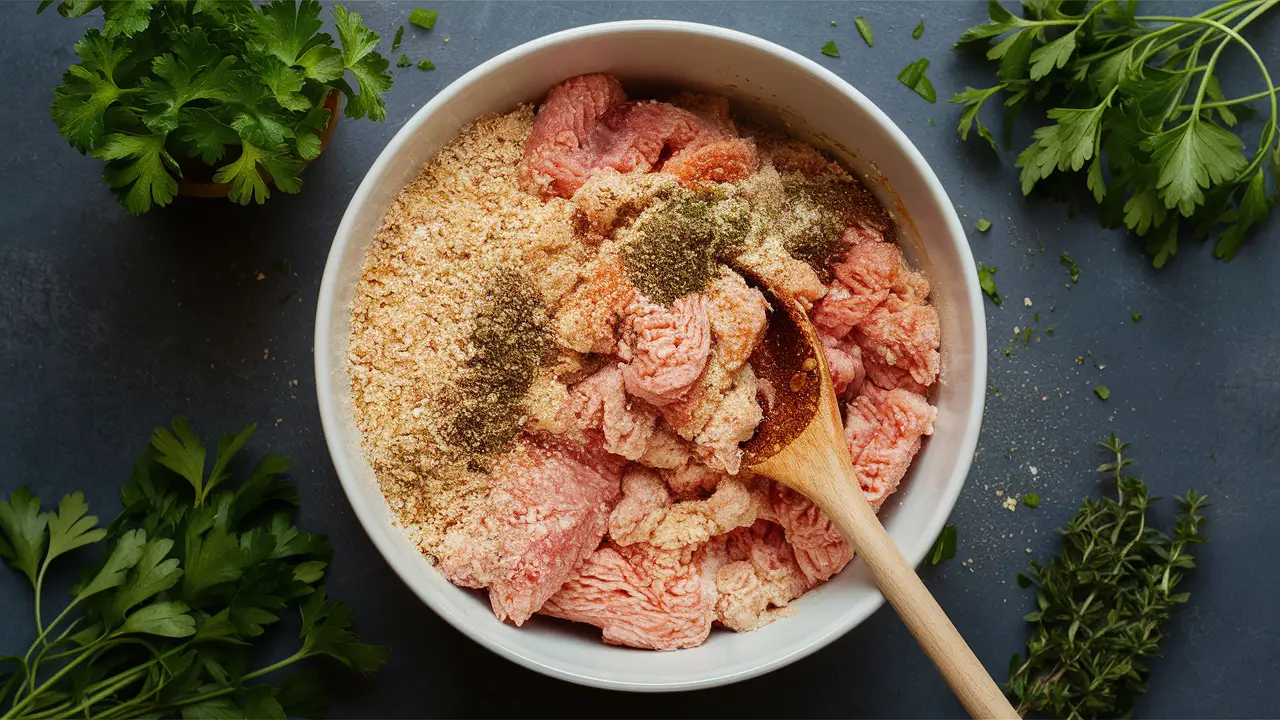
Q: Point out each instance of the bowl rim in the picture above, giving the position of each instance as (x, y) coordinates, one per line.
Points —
(331, 415)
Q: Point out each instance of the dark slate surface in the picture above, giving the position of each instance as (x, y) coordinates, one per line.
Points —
(109, 324)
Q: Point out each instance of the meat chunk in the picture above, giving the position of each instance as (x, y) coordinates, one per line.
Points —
(646, 513)
(844, 361)
(738, 314)
(665, 451)
(758, 579)
(666, 349)
(601, 403)
(726, 160)
(819, 548)
(734, 421)
(883, 428)
(641, 596)
(588, 319)
(587, 125)
(556, 157)
(545, 512)
(790, 276)
(888, 377)
(865, 277)
(713, 110)
(693, 480)
(691, 413)
(905, 335)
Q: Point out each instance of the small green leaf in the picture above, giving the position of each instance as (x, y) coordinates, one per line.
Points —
(864, 29)
(944, 548)
(913, 76)
(426, 65)
(326, 630)
(1053, 56)
(23, 525)
(425, 19)
(982, 225)
(1192, 157)
(166, 619)
(181, 451)
(72, 527)
(395, 43)
(404, 61)
(987, 282)
(830, 49)
(261, 704)
(1136, 317)
(1073, 270)
(1102, 391)
(915, 34)
(1031, 500)
(114, 571)
(138, 168)
(153, 574)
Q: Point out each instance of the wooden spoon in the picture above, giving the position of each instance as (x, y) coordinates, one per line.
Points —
(801, 445)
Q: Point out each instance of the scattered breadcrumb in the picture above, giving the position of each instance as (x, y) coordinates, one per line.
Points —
(1010, 503)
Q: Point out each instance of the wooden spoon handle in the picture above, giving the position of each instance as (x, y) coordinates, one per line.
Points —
(898, 581)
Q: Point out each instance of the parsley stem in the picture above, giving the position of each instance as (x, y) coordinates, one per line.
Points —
(300, 655)
(1233, 101)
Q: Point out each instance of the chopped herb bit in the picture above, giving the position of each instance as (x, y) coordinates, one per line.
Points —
(1073, 270)
(1136, 317)
(944, 548)
(915, 34)
(1036, 317)
(913, 76)
(404, 61)
(1103, 602)
(1102, 391)
(994, 389)
(833, 23)
(1031, 500)
(983, 225)
(1026, 336)
(426, 65)
(1048, 330)
(988, 283)
(864, 29)
(395, 44)
(425, 19)
(830, 49)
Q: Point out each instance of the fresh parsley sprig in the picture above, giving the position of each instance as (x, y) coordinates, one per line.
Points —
(196, 568)
(1138, 111)
(1102, 603)
(166, 90)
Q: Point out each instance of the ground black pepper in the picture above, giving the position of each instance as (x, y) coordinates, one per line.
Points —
(680, 242)
(511, 341)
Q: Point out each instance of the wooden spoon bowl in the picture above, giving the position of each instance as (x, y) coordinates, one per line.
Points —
(801, 444)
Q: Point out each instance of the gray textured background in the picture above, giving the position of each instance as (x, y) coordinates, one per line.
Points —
(109, 324)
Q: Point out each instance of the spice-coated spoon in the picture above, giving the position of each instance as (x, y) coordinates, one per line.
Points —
(801, 445)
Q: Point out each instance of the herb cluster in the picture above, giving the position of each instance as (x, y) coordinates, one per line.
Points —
(219, 90)
(1138, 113)
(195, 570)
(1103, 601)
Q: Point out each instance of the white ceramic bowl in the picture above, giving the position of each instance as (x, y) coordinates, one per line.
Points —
(818, 105)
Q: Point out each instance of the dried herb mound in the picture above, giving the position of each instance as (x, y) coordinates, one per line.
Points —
(1103, 601)
(511, 341)
(817, 214)
(680, 241)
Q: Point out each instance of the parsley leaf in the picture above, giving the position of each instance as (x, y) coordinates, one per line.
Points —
(368, 67)
(1190, 157)
(154, 573)
(72, 527)
(87, 90)
(138, 168)
(126, 17)
(404, 61)
(245, 174)
(1102, 391)
(425, 19)
(1136, 317)
(913, 76)
(830, 49)
(326, 631)
(972, 99)
(944, 548)
(286, 29)
(982, 225)
(426, 65)
(23, 526)
(915, 34)
(1253, 208)
(987, 282)
(1073, 270)
(1053, 56)
(864, 29)
(395, 44)
(1066, 144)
(168, 619)
(1031, 500)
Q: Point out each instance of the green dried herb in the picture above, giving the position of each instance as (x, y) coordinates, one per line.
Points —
(830, 49)
(1102, 603)
(944, 548)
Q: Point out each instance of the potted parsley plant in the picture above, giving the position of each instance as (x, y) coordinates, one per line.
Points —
(213, 97)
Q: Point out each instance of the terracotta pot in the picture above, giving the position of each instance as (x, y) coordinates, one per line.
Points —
(196, 169)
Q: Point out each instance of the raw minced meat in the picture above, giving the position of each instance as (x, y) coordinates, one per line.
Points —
(623, 502)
